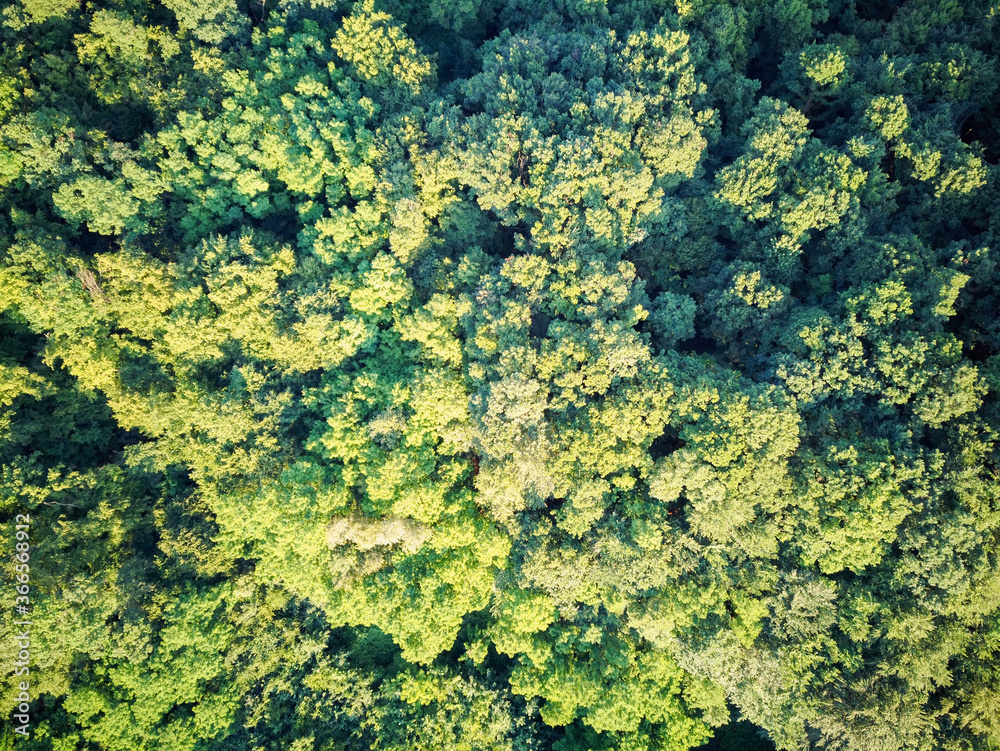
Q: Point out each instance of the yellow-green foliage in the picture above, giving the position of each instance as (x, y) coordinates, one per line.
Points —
(499, 375)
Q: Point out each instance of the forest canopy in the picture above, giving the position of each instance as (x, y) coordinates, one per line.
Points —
(497, 375)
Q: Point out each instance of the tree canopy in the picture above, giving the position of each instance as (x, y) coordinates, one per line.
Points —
(492, 375)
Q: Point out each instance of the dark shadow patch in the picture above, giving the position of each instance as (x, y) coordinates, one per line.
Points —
(666, 444)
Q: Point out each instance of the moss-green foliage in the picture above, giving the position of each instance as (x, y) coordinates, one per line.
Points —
(583, 375)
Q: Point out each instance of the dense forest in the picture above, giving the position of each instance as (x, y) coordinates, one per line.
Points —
(500, 375)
